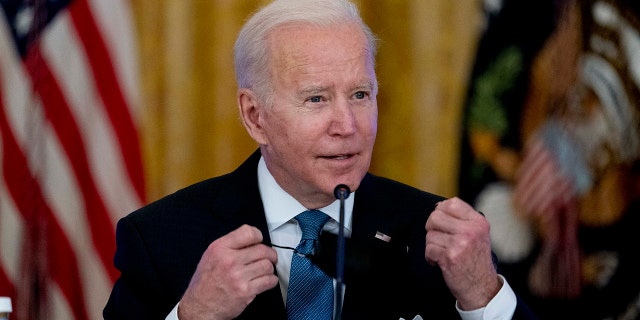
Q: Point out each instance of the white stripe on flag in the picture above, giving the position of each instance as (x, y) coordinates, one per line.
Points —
(11, 232)
(116, 24)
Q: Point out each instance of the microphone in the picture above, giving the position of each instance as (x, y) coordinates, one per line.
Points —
(341, 192)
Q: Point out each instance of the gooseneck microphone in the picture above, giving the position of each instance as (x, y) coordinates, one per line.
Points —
(341, 192)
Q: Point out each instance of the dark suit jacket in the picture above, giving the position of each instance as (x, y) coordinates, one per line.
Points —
(159, 246)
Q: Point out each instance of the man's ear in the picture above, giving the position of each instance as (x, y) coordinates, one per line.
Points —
(251, 112)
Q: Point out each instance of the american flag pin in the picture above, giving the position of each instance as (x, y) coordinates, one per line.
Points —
(382, 236)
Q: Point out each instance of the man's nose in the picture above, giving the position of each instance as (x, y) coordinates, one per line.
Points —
(343, 120)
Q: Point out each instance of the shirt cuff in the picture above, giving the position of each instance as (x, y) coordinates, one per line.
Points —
(502, 306)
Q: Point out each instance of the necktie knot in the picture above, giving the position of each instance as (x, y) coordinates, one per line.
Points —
(311, 223)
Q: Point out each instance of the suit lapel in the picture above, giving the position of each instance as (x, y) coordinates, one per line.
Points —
(378, 243)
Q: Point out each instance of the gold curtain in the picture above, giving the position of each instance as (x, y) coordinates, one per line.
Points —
(190, 127)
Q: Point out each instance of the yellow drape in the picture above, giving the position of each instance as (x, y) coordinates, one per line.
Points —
(190, 126)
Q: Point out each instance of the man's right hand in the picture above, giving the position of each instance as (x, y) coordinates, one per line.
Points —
(232, 271)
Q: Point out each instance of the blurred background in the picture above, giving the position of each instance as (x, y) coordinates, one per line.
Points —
(528, 109)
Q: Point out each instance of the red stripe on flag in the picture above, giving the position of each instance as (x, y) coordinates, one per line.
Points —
(28, 198)
(59, 114)
(110, 92)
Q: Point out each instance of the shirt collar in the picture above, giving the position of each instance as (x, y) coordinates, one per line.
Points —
(280, 207)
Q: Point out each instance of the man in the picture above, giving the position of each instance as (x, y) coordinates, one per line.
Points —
(222, 248)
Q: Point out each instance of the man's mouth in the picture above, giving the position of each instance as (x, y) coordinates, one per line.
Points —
(339, 157)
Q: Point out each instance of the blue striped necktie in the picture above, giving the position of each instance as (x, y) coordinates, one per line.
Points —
(310, 293)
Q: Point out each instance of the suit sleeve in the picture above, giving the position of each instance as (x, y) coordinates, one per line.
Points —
(137, 293)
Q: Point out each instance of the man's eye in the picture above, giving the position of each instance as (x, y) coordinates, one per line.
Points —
(360, 95)
(315, 99)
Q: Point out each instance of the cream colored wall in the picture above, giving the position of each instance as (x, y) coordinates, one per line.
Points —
(191, 130)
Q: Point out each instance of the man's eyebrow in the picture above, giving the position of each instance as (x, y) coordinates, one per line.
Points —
(312, 90)
(367, 85)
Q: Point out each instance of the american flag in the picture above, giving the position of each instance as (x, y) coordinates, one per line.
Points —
(70, 156)
(546, 192)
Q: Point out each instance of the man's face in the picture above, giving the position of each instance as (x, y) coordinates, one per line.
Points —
(321, 122)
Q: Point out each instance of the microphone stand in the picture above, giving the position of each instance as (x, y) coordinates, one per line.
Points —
(341, 192)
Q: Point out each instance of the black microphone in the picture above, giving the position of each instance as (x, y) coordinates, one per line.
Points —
(341, 192)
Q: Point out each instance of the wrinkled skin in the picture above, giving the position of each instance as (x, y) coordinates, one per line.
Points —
(458, 242)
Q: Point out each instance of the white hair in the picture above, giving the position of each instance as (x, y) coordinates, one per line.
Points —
(251, 54)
